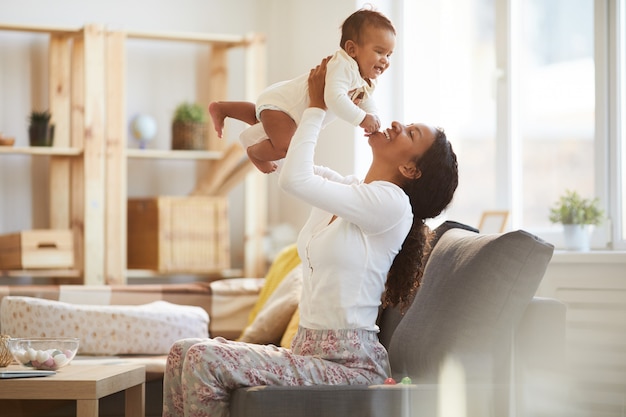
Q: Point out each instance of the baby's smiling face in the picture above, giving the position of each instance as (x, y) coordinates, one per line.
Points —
(373, 53)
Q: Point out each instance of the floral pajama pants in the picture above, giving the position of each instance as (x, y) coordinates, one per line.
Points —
(201, 373)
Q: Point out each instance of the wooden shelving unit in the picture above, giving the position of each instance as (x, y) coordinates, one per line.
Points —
(88, 161)
(76, 181)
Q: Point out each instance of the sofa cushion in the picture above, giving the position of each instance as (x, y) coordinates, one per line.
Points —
(474, 292)
(227, 301)
(449, 225)
(285, 262)
(104, 330)
(272, 319)
(231, 302)
(291, 330)
(389, 317)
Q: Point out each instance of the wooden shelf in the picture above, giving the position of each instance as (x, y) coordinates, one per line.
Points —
(170, 154)
(148, 273)
(44, 30)
(226, 41)
(42, 273)
(41, 150)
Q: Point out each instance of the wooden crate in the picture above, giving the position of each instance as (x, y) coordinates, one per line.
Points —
(178, 234)
(37, 249)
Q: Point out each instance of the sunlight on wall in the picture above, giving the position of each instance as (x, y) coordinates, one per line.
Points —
(452, 399)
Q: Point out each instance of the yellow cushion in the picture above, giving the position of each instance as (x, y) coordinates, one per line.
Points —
(292, 329)
(284, 263)
(270, 323)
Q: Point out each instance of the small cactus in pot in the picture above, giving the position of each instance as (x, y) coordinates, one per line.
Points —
(40, 131)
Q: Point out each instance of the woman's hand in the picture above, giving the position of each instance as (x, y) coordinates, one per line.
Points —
(317, 81)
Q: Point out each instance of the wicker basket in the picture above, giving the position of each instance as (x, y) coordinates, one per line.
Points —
(190, 136)
(6, 358)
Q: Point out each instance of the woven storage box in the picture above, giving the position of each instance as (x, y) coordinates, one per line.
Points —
(178, 234)
(190, 136)
(6, 358)
(37, 249)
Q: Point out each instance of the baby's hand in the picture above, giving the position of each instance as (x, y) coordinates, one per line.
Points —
(371, 123)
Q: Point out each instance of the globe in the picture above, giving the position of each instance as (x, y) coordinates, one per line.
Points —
(143, 128)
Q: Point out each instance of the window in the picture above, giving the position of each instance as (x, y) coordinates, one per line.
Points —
(618, 103)
(450, 78)
(523, 89)
(556, 104)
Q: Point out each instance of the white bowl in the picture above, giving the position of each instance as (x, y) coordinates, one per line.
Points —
(44, 352)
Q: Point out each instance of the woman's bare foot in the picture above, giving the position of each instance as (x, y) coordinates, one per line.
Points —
(218, 117)
(266, 167)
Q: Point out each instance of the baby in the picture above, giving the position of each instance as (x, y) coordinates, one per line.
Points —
(367, 42)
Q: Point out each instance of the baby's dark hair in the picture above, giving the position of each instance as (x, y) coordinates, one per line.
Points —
(352, 27)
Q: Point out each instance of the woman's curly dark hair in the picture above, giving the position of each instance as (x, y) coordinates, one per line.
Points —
(429, 195)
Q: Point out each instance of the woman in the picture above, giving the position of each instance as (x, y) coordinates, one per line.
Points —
(363, 242)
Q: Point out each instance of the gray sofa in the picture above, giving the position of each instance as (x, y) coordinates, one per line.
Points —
(472, 341)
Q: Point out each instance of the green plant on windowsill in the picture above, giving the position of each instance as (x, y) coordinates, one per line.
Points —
(578, 216)
(189, 127)
(571, 208)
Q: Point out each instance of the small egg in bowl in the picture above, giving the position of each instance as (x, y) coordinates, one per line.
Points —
(44, 353)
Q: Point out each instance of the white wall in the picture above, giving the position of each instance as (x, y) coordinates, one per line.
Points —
(299, 33)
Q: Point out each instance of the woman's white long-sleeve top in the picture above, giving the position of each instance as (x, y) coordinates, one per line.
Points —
(346, 261)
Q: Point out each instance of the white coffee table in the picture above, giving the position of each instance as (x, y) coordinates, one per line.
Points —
(85, 384)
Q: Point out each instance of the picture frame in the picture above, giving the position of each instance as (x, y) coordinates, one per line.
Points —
(493, 221)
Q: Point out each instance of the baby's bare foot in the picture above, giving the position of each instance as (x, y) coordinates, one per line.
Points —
(218, 117)
(266, 167)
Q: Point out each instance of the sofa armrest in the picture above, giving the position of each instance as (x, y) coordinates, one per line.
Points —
(540, 335)
(539, 359)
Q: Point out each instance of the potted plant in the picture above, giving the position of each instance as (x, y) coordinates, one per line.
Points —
(578, 216)
(40, 131)
(189, 127)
